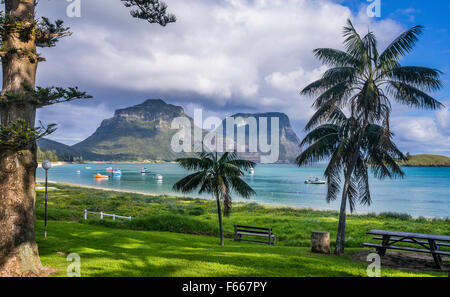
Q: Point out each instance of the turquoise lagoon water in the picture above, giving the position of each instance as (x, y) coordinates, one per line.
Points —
(425, 191)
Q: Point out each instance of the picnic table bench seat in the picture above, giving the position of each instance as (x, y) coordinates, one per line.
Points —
(429, 243)
(240, 230)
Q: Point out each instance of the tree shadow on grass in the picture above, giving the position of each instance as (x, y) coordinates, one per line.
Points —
(116, 252)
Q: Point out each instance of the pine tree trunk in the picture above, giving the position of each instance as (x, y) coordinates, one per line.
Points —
(219, 211)
(18, 248)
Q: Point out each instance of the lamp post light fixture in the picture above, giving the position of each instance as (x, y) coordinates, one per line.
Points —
(46, 165)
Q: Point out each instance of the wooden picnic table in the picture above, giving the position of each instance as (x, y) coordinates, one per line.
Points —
(431, 243)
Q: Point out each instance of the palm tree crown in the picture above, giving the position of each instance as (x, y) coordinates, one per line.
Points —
(361, 82)
(218, 176)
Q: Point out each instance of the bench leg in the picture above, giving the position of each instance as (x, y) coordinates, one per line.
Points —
(437, 258)
(382, 251)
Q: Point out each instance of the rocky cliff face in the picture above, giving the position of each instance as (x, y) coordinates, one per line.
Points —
(288, 144)
(140, 132)
(143, 132)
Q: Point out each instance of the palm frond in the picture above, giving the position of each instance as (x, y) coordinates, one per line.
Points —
(335, 58)
(402, 45)
(190, 182)
(413, 97)
(420, 77)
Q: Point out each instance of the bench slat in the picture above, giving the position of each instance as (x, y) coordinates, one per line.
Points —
(375, 245)
(250, 227)
(255, 234)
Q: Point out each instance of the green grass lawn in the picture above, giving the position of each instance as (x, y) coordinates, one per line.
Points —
(170, 236)
(195, 216)
(118, 252)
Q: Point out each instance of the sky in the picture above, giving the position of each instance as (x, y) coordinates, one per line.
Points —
(231, 56)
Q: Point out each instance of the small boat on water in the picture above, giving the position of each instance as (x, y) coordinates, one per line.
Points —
(158, 176)
(315, 181)
(145, 170)
(109, 169)
(88, 167)
(252, 171)
(78, 171)
(117, 172)
(100, 176)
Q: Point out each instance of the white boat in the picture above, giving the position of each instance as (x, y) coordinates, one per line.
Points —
(315, 181)
(78, 171)
(252, 171)
(88, 167)
(117, 172)
(158, 176)
(145, 170)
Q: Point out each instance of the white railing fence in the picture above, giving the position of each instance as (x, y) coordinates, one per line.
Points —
(102, 214)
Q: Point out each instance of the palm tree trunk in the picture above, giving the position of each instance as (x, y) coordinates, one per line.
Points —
(219, 211)
(340, 238)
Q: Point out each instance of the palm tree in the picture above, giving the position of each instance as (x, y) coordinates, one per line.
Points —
(361, 80)
(217, 176)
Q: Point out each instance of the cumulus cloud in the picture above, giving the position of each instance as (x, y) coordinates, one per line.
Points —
(75, 122)
(230, 56)
(292, 81)
(423, 134)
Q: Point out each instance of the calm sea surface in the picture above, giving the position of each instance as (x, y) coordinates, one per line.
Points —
(425, 191)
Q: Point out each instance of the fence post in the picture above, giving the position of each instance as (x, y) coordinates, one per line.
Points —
(101, 215)
(114, 217)
(85, 214)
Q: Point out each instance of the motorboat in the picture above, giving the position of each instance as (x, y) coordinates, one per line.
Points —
(78, 171)
(158, 176)
(109, 169)
(315, 181)
(117, 172)
(101, 176)
(145, 170)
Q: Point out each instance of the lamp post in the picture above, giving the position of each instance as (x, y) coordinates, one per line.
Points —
(46, 165)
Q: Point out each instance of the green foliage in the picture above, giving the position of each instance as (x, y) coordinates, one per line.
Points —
(217, 176)
(46, 155)
(40, 97)
(364, 81)
(153, 11)
(19, 135)
(291, 225)
(48, 33)
(427, 160)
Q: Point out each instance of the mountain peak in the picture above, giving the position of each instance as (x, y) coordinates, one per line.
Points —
(150, 110)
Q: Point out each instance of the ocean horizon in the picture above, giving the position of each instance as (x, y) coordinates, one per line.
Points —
(422, 192)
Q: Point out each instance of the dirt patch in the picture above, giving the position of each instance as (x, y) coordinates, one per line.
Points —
(403, 260)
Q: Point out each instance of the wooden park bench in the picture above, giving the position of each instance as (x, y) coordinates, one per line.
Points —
(240, 231)
(430, 243)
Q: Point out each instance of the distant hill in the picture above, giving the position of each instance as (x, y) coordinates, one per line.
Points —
(56, 151)
(137, 133)
(143, 132)
(427, 160)
(289, 142)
